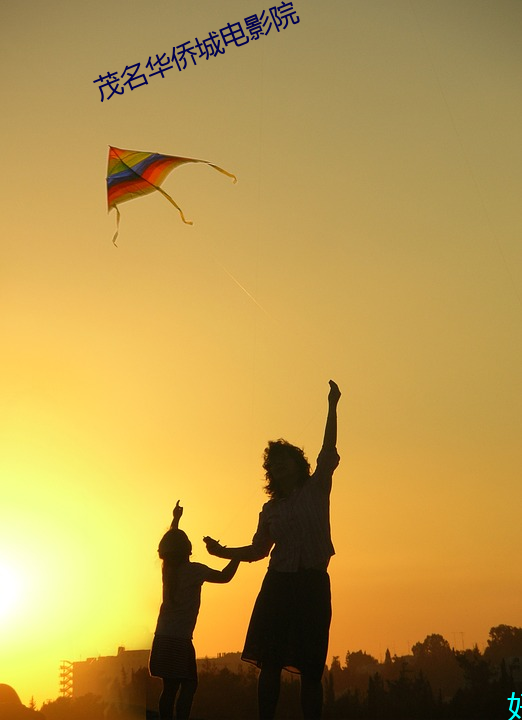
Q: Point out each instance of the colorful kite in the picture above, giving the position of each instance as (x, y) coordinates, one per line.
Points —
(131, 174)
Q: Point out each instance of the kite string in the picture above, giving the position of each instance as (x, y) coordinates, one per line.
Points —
(243, 288)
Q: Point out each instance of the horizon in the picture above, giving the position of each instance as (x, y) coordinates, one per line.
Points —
(223, 653)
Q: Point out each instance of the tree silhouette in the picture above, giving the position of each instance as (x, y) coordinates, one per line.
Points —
(359, 667)
(505, 641)
(86, 707)
(435, 682)
(435, 659)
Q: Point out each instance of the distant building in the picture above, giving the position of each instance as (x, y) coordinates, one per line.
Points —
(230, 660)
(103, 676)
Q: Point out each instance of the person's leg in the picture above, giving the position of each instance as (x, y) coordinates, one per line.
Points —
(315, 624)
(186, 696)
(167, 698)
(311, 697)
(268, 686)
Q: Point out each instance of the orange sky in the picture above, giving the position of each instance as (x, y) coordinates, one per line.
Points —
(373, 237)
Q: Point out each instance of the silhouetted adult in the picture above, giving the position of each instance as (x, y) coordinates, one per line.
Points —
(291, 618)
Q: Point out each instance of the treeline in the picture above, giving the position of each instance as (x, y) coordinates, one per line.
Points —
(434, 682)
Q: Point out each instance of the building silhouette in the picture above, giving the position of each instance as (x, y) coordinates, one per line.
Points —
(122, 680)
(102, 675)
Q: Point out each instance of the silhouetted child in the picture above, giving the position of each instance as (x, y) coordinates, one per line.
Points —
(172, 657)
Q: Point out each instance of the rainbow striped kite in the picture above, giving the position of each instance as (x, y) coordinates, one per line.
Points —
(131, 174)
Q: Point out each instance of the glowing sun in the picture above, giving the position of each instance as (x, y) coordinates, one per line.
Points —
(10, 589)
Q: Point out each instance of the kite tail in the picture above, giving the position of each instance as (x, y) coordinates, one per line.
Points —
(188, 222)
(117, 225)
(220, 169)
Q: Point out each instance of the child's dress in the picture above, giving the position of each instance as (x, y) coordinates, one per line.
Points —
(172, 654)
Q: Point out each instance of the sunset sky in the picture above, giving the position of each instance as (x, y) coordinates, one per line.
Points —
(373, 237)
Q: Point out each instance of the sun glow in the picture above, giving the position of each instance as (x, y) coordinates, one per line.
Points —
(11, 589)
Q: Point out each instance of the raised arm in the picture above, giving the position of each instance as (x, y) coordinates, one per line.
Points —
(176, 516)
(330, 431)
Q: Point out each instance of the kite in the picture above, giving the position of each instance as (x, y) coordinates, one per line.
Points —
(131, 174)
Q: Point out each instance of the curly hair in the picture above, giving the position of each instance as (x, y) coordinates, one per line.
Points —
(274, 448)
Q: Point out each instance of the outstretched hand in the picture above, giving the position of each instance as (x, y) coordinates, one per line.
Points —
(334, 394)
(213, 546)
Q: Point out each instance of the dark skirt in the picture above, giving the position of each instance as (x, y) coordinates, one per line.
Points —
(173, 658)
(290, 622)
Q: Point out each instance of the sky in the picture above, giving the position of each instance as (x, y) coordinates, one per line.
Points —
(373, 237)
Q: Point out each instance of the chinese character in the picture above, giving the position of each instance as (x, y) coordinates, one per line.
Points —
(180, 55)
(514, 712)
(131, 71)
(210, 47)
(112, 83)
(286, 10)
(253, 25)
(163, 65)
(233, 33)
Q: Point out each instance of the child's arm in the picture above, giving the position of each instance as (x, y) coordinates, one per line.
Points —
(176, 516)
(225, 575)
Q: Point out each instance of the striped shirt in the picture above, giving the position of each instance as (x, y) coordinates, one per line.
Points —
(181, 600)
(297, 528)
